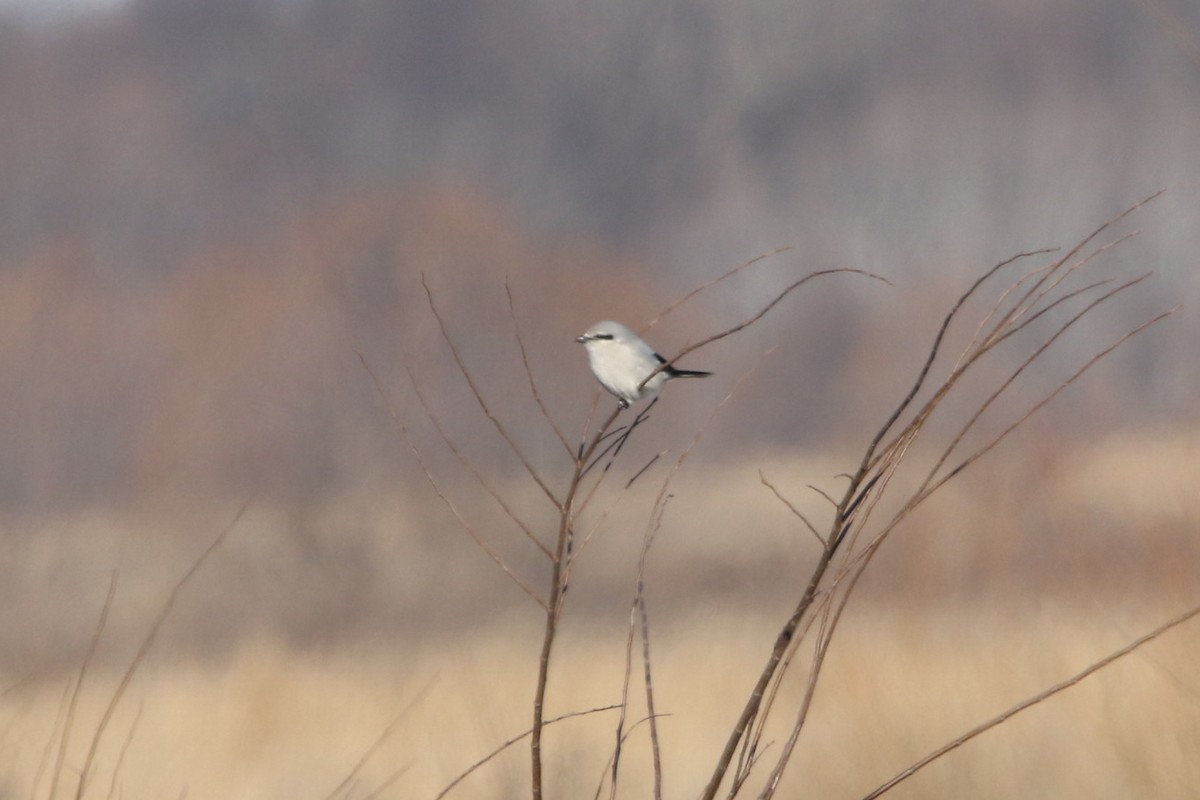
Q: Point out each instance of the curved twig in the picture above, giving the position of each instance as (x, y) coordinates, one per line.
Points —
(1024, 705)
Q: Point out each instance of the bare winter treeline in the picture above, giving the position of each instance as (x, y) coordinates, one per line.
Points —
(209, 206)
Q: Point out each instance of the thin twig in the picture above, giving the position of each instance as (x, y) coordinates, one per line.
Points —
(1040, 697)
(1009, 326)
(663, 494)
(830, 617)
(1048, 398)
(1021, 310)
(629, 483)
(510, 743)
(756, 317)
(559, 570)
(442, 495)
(537, 396)
(720, 278)
(596, 525)
(608, 764)
(1037, 290)
(44, 761)
(487, 411)
(620, 437)
(782, 644)
(639, 603)
(164, 612)
(870, 456)
(973, 344)
(795, 511)
(648, 681)
(789, 745)
(822, 604)
(1016, 373)
(1000, 331)
(112, 787)
(823, 493)
(753, 748)
(68, 723)
(469, 465)
(878, 464)
(383, 736)
(387, 784)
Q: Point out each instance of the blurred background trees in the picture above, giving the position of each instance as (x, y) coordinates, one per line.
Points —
(208, 206)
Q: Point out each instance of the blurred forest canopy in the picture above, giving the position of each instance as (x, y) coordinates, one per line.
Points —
(209, 205)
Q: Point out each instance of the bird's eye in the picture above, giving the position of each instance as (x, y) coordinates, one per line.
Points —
(606, 336)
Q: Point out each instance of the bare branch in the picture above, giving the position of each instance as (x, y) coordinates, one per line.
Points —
(756, 317)
(499, 426)
(704, 286)
(859, 562)
(512, 314)
(648, 682)
(783, 642)
(648, 539)
(513, 741)
(470, 465)
(830, 617)
(879, 464)
(1023, 302)
(387, 784)
(762, 477)
(823, 493)
(445, 498)
(1047, 399)
(1009, 327)
(383, 736)
(559, 572)
(620, 437)
(608, 765)
(112, 787)
(1034, 356)
(596, 525)
(65, 741)
(164, 612)
(629, 483)
(44, 761)
(1032, 701)
(1037, 288)
(1012, 289)
(752, 747)
(869, 456)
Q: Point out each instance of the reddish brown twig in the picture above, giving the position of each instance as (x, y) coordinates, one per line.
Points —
(1024, 705)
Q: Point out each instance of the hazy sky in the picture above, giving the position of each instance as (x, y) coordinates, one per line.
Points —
(53, 9)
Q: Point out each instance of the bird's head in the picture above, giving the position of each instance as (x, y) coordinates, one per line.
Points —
(606, 331)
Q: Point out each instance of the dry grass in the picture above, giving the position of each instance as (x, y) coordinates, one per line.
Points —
(976, 607)
(277, 722)
(919, 660)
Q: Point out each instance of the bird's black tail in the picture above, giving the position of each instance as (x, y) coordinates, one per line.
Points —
(686, 373)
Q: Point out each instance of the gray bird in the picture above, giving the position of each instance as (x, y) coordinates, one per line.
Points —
(620, 360)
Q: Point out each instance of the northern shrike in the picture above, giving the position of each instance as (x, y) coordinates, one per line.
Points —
(620, 360)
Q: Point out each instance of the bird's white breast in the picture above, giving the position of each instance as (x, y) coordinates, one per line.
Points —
(622, 368)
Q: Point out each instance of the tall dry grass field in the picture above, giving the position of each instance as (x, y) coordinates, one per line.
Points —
(220, 710)
(272, 721)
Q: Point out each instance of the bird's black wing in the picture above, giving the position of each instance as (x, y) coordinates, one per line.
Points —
(680, 373)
